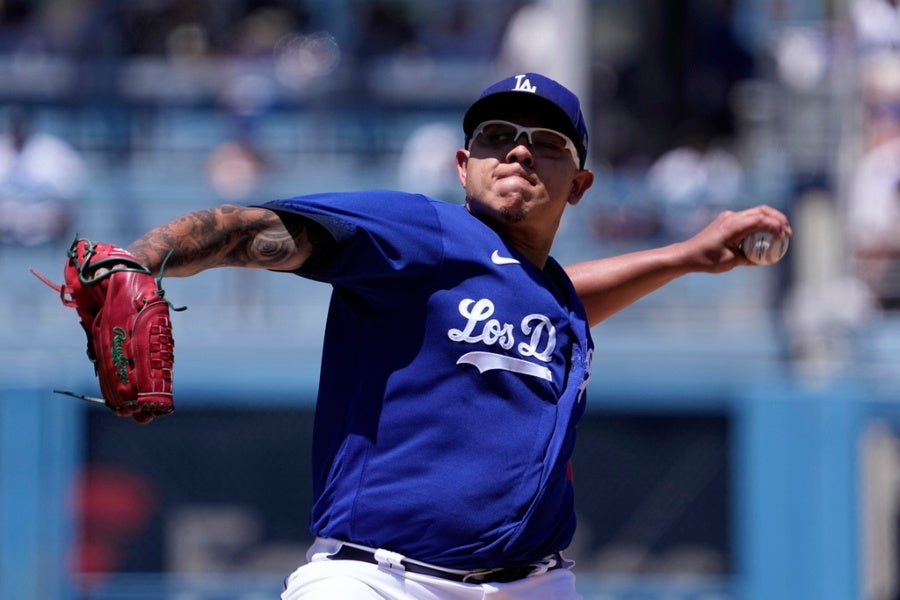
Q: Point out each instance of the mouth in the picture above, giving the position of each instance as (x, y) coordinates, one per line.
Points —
(515, 170)
(514, 184)
(517, 178)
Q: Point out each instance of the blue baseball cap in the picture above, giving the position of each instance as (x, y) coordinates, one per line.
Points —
(554, 104)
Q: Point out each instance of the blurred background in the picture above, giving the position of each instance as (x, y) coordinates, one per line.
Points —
(742, 434)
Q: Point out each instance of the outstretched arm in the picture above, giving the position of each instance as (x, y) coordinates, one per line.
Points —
(608, 285)
(225, 236)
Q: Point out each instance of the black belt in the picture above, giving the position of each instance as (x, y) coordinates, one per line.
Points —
(500, 575)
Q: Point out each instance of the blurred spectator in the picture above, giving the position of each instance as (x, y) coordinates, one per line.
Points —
(874, 193)
(693, 182)
(877, 25)
(41, 177)
(236, 167)
(427, 161)
(531, 40)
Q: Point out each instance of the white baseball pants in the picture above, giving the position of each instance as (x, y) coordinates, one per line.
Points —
(324, 579)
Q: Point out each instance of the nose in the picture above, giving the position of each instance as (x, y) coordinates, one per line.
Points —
(521, 151)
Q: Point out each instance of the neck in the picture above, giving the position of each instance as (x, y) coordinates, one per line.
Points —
(533, 243)
(535, 255)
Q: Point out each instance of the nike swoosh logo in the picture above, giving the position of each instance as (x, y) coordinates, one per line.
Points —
(503, 260)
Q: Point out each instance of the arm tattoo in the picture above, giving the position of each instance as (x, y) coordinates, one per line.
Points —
(277, 245)
(224, 236)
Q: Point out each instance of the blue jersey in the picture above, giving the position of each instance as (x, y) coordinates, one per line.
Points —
(452, 378)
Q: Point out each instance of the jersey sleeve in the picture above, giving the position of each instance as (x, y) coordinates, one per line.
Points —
(380, 235)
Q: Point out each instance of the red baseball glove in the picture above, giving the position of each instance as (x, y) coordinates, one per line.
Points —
(129, 333)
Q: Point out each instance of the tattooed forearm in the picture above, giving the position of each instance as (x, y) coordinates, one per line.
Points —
(224, 236)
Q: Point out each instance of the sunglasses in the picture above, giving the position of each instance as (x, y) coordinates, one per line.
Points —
(546, 143)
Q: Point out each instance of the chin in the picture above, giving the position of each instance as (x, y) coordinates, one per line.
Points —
(501, 210)
(510, 215)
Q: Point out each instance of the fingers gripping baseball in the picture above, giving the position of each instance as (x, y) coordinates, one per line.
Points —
(754, 236)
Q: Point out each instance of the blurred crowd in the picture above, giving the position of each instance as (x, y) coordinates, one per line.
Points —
(873, 193)
(695, 107)
(41, 180)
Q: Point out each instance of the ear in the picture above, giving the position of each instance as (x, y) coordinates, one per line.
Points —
(462, 165)
(582, 181)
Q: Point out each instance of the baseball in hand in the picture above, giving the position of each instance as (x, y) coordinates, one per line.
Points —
(762, 248)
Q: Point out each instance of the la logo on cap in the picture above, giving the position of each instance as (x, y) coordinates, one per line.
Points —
(523, 85)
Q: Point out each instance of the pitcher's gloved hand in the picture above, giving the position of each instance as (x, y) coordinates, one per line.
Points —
(129, 332)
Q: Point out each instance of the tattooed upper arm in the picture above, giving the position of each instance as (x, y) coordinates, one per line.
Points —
(226, 235)
(288, 242)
